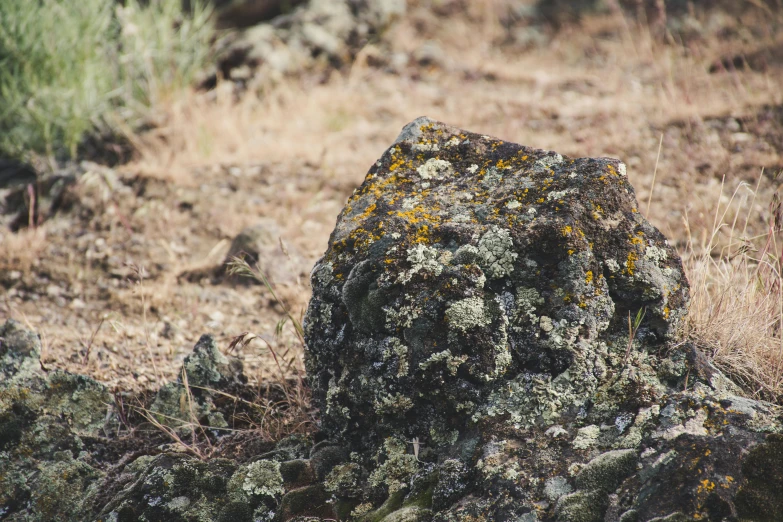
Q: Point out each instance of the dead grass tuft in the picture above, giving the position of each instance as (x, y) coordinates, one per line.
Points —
(22, 251)
(736, 311)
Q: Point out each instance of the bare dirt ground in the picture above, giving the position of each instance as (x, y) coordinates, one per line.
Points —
(116, 284)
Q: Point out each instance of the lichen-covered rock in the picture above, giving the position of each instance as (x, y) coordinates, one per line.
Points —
(189, 400)
(47, 421)
(20, 352)
(61, 458)
(490, 337)
(470, 278)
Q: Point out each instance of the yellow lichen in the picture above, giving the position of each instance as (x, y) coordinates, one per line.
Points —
(422, 234)
(589, 277)
(630, 263)
(364, 215)
(566, 230)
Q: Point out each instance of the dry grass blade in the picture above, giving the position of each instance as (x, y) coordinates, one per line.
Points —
(633, 327)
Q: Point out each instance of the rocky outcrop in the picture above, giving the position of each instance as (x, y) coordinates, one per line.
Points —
(328, 33)
(491, 334)
(492, 337)
(68, 453)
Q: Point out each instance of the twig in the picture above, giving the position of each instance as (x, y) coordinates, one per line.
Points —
(31, 209)
(92, 338)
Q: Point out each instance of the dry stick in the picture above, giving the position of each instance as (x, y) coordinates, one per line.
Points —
(655, 173)
(92, 338)
(31, 210)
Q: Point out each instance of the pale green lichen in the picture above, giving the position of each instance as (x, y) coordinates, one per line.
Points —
(499, 461)
(556, 487)
(323, 273)
(586, 437)
(343, 478)
(693, 426)
(549, 161)
(422, 258)
(361, 510)
(545, 323)
(443, 437)
(399, 350)
(557, 195)
(492, 177)
(466, 255)
(435, 169)
(453, 142)
(332, 399)
(496, 250)
(401, 317)
(451, 362)
(325, 312)
(468, 313)
(426, 147)
(396, 467)
(655, 254)
(527, 300)
(396, 403)
(263, 478)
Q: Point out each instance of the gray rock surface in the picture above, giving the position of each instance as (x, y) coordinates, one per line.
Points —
(468, 346)
(468, 341)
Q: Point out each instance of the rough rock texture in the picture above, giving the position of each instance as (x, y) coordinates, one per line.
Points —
(469, 348)
(469, 342)
(61, 458)
(328, 32)
(47, 422)
(465, 265)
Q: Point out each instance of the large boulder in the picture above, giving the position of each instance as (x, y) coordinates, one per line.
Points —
(470, 277)
(491, 337)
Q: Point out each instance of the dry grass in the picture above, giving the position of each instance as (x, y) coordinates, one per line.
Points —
(293, 152)
(21, 251)
(736, 312)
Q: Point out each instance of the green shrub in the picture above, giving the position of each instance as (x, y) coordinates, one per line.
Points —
(71, 67)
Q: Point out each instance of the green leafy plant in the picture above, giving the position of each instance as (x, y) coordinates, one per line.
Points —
(71, 67)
